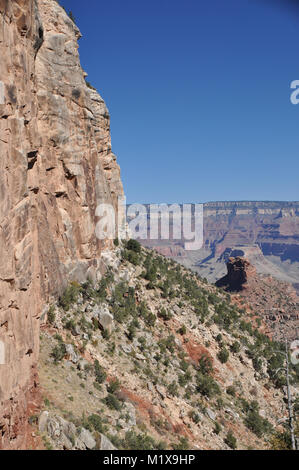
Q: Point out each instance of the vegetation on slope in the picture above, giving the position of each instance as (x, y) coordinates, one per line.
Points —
(180, 366)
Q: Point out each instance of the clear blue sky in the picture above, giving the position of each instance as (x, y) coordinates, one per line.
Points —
(199, 95)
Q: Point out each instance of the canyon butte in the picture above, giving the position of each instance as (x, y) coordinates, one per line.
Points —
(107, 344)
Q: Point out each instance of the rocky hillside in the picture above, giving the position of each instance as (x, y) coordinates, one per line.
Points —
(275, 302)
(153, 357)
(266, 233)
(56, 166)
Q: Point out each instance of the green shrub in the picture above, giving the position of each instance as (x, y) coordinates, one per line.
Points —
(33, 419)
(133, 245)
(131, 256)
(151, 274)
(246, 406)
(206, 385)
(131, 332)
(223, 355)
(281, 441)
(134, 441)
(184, 365)
(51, 315)
(184, 379)
(47, 402)
(217, 428)
(150, 286)
(114, 385)
(123, 302)
(100, 374)
(167, 343)
(183, 330)
(219, 403)
(257, 364)
(70, 325)
(230, 440)
(59, 352)
(231, 390)
(195, 417)
(150, 319)
(219, 338)
(257, 424)
(105, 333)
(235, 347)
(69, 296)
(173, 389)
(183, 444)
(112, 402)
(205, 364)
(96, 423)
(246, 326)
(97, 386)
(164, 314)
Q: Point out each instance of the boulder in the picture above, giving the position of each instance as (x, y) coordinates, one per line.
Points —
(42, 421)
(106, 444)
(232, 413)
(104, 317)
(82, 364)
(211, 414)
(131, 415)
(87, 438)
(126, 349)
(161, 391)
(70, 351)
(140, 357)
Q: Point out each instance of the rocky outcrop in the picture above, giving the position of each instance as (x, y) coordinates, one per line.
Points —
(238, 272)
(56, 166)
(276, 303)
(65, 435)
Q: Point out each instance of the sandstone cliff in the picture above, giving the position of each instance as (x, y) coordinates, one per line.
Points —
(56, 166)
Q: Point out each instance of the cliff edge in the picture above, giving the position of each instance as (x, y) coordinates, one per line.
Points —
(56, 166)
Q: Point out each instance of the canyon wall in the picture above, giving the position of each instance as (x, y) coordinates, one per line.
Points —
(56, 166)
(266, 232)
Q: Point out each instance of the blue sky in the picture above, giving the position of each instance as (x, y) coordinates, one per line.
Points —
(199, 95)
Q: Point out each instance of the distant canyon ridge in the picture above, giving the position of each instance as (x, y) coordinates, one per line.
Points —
(266, 233)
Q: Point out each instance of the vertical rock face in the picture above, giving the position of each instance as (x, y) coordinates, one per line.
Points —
(56, 166)
(239, 271)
